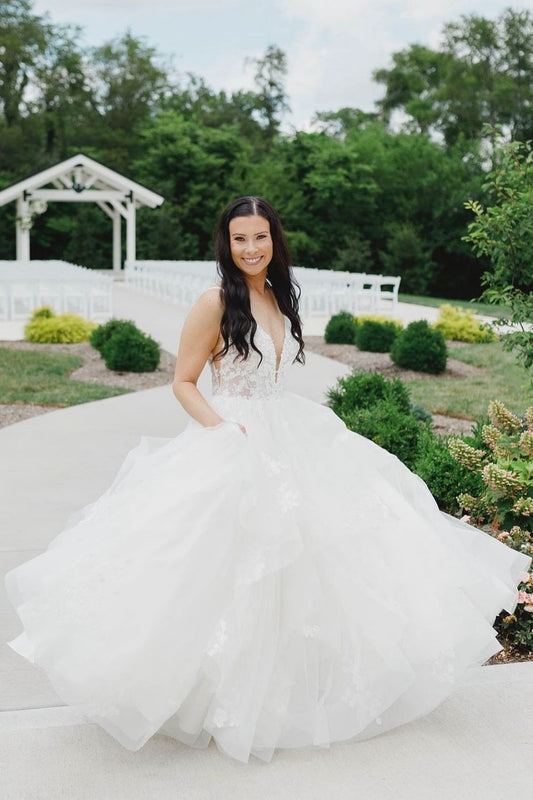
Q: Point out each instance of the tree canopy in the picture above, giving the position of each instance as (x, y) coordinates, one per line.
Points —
(356, 191)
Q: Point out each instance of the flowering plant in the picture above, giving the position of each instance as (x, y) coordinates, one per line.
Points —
(505, 505)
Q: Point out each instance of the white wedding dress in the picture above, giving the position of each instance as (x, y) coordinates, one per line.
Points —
(289, 588)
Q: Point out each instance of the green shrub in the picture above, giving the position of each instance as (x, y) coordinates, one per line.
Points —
(340, 329)
(444, 476)
(460, 325)
(44, 328)
(103, 333)
(131, 350)
(380, 409)
(420, 348)
(390, 428)
(365, 389)
(376, 337)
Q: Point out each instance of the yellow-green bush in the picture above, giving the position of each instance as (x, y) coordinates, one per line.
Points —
(377, 318)
(460, 325)
(45, 327)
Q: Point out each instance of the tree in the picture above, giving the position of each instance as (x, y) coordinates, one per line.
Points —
(64, 100)
(129, 87)
(23, 39)
(406, 256)
(483, 74)
(503, 232)
(196, 168)
(271, 98)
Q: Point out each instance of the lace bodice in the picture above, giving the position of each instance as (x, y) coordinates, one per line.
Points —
(253, 377)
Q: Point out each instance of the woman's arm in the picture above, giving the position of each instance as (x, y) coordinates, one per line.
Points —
(199, 336)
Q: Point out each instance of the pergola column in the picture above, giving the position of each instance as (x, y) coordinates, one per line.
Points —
(130, 233)
(117, 240)
(23, 227)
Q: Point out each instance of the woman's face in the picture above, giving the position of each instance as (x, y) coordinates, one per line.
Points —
(251, 244)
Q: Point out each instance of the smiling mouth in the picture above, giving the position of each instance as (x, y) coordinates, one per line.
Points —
(252, 261)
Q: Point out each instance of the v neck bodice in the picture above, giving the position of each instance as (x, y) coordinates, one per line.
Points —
(255, 376)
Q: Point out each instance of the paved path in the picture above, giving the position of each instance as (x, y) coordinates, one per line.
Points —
(477, 745)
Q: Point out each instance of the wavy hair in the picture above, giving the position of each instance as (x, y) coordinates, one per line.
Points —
(237, 320)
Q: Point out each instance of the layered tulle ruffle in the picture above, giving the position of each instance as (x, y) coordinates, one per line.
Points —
(293, 587)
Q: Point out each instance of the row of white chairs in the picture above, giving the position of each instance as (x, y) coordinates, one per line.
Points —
(324, 292)
(66, 288)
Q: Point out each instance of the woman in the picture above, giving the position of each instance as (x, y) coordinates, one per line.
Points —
(267, 578)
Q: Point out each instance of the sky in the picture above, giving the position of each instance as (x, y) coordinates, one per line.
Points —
(332, 46)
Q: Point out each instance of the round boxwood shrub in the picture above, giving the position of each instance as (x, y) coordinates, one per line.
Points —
(103, 333)
(364, 390)
(46, 328)
(131, 350)
(374, 336)
(421, 348)
(380, 409)
(340, 329)
(390, 428)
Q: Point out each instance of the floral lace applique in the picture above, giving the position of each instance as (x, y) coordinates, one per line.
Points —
(253, 377)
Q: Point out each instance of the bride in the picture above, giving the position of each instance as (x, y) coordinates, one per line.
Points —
(267, 578)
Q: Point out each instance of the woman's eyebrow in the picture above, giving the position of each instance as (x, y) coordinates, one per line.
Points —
(243, 234)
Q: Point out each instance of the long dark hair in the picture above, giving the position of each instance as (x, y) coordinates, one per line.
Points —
(237, 320)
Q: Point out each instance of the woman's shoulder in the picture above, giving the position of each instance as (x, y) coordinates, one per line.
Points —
(211, 298)
(209, 305)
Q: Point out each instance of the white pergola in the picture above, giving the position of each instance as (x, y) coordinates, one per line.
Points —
(80, 180)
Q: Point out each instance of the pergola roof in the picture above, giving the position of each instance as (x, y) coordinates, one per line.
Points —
(80, 178)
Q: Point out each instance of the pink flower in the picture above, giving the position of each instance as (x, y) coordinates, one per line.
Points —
(503, 535)
(526, 577)
(465, 518)
(525, 597)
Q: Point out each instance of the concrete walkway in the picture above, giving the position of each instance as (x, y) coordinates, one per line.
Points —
(476, 745)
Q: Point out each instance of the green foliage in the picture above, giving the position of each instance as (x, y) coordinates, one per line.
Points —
(460, 325)
(408, 257)
(125, 348)
(504, 505)
(379, 409)
(45, 327)
(364, 390)
(374, 336)
(482, 72)
(503, 232)
(445, 477)
(340, 329)
(390, 428)
(420, 348)
(103, 333)
(131, 351)
(353, 194)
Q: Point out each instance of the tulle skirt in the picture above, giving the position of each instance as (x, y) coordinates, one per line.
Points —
(291, 587)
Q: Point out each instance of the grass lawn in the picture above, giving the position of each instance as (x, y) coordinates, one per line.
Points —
(484, 309)
(29, 376)
(500, 378)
